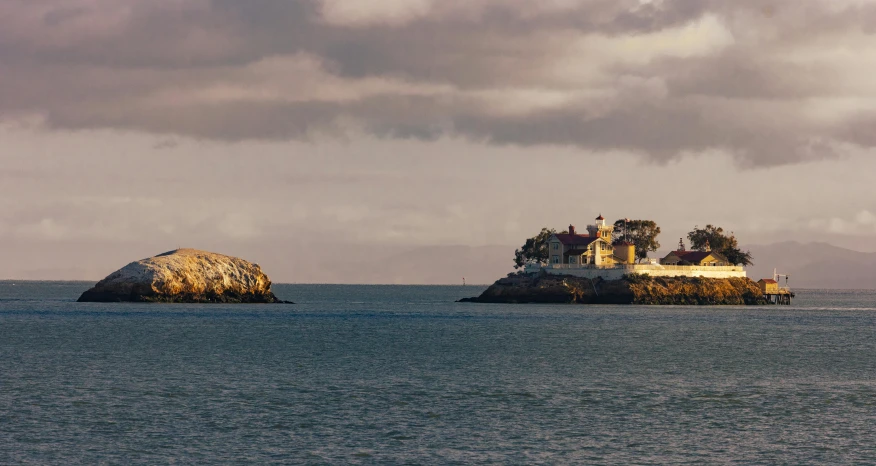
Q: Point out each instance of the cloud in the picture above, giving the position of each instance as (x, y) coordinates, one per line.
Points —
(770, 85)
(865, 217)
(356, 13)
(166, 144)
(863, 223)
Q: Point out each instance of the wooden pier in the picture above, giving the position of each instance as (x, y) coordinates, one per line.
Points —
(773, 293)
(783, 296)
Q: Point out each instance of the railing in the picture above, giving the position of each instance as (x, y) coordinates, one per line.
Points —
(719, 268)
(635, 267)
(582, 266)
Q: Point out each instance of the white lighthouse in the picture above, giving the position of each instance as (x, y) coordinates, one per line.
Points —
(600, 229)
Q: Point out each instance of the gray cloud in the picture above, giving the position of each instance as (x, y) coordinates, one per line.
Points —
(659, 78)
(166, 144)
(860, 130)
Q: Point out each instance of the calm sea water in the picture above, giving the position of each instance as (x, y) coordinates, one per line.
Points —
(403, 375)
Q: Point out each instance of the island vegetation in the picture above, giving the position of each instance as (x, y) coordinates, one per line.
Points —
(640, 233)
(535, 249)
(713, 238)
(643, 235)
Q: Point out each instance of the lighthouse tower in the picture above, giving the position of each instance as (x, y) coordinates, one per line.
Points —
(600, 229)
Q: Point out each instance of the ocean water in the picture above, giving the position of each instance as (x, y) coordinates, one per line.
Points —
(403, 375)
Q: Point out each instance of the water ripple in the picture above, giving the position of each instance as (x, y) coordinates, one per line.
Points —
(405, 376)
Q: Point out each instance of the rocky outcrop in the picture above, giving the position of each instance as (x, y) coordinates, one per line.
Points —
(632, 289)
(185, 276)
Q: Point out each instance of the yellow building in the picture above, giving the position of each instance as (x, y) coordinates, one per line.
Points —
(625, 253)
(592, 249)
(574, 249)
(768, 286)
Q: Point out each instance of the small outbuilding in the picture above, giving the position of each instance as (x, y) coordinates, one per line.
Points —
(625, 253)
(699, 258)
(768, 286)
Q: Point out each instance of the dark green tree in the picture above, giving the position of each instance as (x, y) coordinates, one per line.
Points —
(712, 237)
(534, 249)
(641, 233)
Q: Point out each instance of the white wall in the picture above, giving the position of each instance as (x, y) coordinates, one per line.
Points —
(614, 273)
(703, 272)
(688, 271)
(606, 274)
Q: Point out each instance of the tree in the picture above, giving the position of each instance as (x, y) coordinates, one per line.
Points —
(641, 233)
(712, 237)
(535, 249)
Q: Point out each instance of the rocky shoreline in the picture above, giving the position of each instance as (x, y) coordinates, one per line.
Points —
(632, 289)
(185, 276)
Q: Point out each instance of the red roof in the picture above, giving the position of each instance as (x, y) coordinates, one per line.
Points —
(695, 256)
(575, 240)
(600, 217)
(768, 280)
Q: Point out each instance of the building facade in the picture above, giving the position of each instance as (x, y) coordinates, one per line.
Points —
(595, 255)
(592, 249)
(768, 286)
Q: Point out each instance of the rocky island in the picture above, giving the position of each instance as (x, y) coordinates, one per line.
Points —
(609, 264)
(185, 276)
(630, 289)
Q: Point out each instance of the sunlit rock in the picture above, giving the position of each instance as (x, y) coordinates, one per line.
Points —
(632, 289)
(185, 276)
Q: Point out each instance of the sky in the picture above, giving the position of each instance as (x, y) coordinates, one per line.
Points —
(308, 135)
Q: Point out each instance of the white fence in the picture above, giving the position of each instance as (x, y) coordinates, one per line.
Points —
(647, 267)
(717, 268)
(612, 272)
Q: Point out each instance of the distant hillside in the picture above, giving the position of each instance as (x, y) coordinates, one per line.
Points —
(438, 265)
(811, 265)
(814, 265)
(284, 261)
(479, 265)
(428, 265)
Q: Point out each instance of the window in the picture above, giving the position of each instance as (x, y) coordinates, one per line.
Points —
(556, 246)
(555, 259)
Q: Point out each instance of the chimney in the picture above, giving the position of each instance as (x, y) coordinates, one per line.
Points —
(571, 229)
